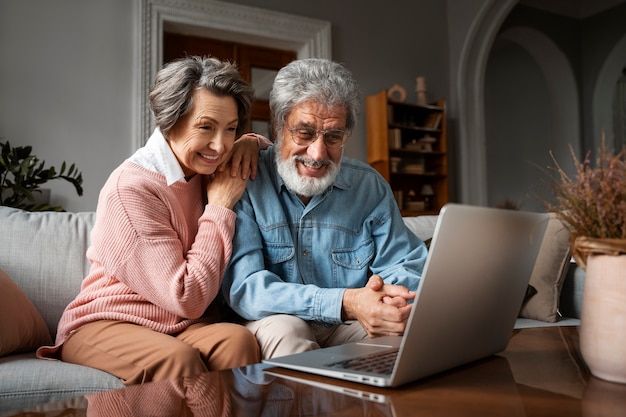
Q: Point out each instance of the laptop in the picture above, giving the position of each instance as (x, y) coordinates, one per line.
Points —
(474, 281)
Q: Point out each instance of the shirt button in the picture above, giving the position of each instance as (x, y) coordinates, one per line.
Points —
(358, 261)
(305, 252)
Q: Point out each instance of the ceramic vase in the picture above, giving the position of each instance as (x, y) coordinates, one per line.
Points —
(603, 317)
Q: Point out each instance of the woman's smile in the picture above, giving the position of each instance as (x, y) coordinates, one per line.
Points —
(209, 158)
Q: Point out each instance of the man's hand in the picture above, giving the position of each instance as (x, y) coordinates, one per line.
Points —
(382, 309)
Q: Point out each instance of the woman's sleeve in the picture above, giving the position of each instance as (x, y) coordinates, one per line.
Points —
(137, 243)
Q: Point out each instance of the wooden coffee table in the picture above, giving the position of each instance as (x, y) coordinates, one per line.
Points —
(541, 373)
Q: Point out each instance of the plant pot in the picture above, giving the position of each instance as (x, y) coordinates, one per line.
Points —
(603, 318)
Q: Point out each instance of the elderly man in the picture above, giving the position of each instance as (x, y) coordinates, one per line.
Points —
(321, 255)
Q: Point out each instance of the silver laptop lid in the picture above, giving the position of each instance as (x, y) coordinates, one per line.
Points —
(479, 265)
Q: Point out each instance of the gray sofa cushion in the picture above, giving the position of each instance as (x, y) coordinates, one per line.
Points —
(22, 384)
(551, 266)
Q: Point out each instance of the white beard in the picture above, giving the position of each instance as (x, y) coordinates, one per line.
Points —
(301, 185)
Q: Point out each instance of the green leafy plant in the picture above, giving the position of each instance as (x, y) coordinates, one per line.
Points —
(22, 174)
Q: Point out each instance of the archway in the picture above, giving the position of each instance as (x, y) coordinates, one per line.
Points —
(471, 73)
(530, 77)
(604, 90)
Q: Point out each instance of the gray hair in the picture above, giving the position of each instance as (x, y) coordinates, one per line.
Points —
(318, 80)
(171, 95)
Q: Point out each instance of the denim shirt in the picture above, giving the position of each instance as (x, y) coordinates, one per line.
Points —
(291, 258)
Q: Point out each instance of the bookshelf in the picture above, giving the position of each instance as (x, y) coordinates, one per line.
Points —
(407, 144)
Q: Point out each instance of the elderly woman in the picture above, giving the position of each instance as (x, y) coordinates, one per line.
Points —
(162, 239)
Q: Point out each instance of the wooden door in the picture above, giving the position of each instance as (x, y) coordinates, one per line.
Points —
(257, 65)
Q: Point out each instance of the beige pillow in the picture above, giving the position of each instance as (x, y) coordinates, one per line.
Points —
(548, 274)
(22, 329)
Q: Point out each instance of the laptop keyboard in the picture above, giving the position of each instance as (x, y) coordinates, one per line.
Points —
(380, 363)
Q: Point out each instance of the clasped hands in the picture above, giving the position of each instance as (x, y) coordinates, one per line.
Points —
(382, 309)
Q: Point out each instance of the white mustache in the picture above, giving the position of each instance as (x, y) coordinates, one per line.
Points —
(312, 163)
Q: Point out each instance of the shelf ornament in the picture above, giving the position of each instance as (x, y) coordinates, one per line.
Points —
(397, 93)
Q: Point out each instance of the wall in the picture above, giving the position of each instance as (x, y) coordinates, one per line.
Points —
(68, 76)
(465, 164)
(517, 119)
(67, 86)
(543, 73)
(382, 45)
(603, 58)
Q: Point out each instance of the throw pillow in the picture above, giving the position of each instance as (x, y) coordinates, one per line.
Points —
(548, 274)
(22, 327)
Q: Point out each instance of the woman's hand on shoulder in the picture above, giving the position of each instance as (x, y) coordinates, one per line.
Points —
(244, 157)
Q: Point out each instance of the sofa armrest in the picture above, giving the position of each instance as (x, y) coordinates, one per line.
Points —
(422, 226)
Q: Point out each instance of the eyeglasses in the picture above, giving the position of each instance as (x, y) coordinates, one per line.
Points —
(304, 136)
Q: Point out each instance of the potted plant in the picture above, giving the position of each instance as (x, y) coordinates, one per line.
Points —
(592, 204)
(22, 174)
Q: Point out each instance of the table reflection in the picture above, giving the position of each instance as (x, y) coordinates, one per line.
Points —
(204, 395)
(247, 391)
(540, 374)
(603, 399)
(240, 392)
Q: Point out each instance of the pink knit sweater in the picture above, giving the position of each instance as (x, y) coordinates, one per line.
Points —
(157, 254)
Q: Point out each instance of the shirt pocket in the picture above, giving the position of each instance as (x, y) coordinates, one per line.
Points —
(276, 253)
(280, 259)
(356, 259)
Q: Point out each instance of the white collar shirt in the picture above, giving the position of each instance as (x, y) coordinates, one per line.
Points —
(157, 156)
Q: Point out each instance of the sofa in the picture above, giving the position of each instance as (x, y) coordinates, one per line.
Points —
(42, 264)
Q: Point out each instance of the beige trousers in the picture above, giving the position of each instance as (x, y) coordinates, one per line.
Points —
(137, 354)
(282, 334)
